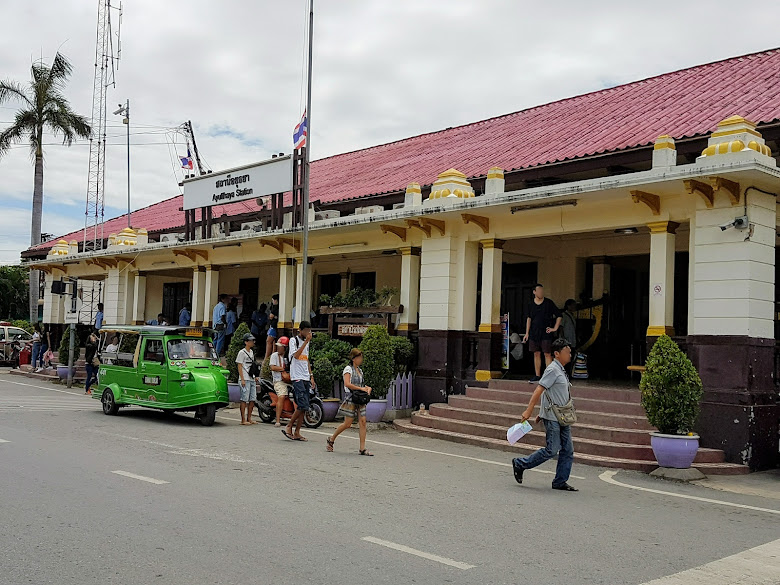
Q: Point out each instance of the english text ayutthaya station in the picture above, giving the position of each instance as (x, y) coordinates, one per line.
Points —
(628, 200)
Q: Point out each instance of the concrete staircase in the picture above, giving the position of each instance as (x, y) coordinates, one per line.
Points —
(50, 374)
(611, 431)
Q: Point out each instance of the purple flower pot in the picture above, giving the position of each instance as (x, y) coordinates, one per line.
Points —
(375, 410)
(677, 451)
(62, 372)
(330, 408)
(234, 392)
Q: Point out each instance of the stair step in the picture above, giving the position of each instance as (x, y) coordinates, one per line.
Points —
(584, 430)
(37, 376)
(607, 419)
(589, 404)
(580, 389)
(536, 439)
(406, 425)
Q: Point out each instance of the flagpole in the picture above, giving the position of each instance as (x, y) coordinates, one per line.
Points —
(306, 292)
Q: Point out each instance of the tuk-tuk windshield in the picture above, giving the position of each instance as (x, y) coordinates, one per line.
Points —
(191, 349)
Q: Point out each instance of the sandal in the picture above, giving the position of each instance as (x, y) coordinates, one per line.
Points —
(330, 445)
(366, 452)
(304, 439)
(286, 434)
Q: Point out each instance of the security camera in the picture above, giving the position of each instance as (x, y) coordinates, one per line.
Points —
(740, 223)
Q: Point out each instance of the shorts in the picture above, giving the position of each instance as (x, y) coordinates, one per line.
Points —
(543, 345)
(248, 391)
(281, 388)
(272, 332)
(301, 394)
(350, 410)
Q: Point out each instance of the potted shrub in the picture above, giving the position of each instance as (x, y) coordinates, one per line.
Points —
(63, 354)
(378, 369)
(236, 345)
(329, 357)
(671, 391)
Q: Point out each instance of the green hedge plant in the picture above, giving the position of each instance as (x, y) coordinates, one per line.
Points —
(328, 359)
(403, 352)
(671, 389)
(378, 360)
(64, 350)
(236, 345)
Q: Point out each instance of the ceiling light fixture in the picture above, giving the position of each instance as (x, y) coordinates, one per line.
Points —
(516, 208)
(341, 246)
(627, 231)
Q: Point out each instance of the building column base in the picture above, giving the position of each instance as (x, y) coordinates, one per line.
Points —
(658, 330)
(487, 375)
(739, 411)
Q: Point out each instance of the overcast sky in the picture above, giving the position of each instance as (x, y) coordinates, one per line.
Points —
(383, 70)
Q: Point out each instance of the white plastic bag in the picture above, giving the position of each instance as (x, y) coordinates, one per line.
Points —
(518, 431)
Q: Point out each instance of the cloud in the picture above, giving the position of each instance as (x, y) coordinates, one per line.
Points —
(382, 71)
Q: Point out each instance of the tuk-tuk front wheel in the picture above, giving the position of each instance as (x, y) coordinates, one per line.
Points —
(208, 415)
(109, 403)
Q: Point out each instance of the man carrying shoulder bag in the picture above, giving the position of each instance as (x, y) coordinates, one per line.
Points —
(557, 413)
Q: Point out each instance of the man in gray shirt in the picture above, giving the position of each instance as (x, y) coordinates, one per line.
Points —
(554, 386)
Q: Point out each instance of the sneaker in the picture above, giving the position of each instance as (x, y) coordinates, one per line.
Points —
(518, 471)
(534, 379)
(38, 370)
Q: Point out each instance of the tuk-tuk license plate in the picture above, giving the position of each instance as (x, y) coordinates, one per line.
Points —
(194, 332)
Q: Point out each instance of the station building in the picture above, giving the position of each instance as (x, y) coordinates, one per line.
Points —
(653, 204)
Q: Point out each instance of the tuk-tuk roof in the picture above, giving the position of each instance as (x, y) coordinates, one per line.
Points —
(155, 329)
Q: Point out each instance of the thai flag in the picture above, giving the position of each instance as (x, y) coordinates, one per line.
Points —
(301, 130)
(186, 161)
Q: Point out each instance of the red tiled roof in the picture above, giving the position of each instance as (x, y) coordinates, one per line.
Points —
(682, 104)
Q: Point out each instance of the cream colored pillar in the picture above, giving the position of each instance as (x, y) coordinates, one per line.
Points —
(344, 281)
(211, 293)
(114, 297)
(448, 284)
(53, 305)
(198, 315)
(302, 313)
(139, 298)
(286, 292)
(602, 276)
(410, 288)
(128, 278)
(490, 312)
(662, 236)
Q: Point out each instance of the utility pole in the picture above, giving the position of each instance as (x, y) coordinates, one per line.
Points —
(125, 110)
(72, 341)
(307, 167)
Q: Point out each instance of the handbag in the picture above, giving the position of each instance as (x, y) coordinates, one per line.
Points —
(360, 397)
(286, 377)
(566, 415)
(95, 361)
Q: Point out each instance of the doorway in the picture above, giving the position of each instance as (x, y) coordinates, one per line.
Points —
(175, 296)
(248, 290)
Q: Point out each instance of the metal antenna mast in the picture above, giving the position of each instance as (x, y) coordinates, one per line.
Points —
(105, 61)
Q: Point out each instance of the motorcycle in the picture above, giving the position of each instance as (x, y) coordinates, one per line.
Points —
(267, 399)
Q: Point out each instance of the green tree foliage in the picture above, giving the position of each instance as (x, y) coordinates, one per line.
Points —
(43, 109)
(671, 388)
(403, 352)
(13, 293)
(328, 359)
(64, 349)
(378, 360)
(236, 345)
(23, 323)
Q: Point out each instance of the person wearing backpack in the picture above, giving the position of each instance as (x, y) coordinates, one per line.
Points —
(247, 372)
(357, 396)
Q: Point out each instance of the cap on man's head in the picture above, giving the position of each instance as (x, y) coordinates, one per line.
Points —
(249, 337)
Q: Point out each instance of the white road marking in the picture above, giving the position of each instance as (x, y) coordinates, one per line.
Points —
(609, 477)
(140, 477)
(755, 566)
(46, 388)
(4, 441)
(190, 452)
(419, 553)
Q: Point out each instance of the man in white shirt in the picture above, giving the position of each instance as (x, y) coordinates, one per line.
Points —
(302, 380)
(244, 360)
(279, 365)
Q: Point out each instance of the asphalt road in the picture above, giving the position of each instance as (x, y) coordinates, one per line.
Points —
(234, 504)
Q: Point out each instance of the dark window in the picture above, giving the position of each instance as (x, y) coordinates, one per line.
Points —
(364, 280)
(153, 350)
(330, 284)
(175, 296)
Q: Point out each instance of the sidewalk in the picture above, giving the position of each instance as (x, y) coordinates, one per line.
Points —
(764, 484)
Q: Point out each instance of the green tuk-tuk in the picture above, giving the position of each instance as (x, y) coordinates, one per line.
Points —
(167, 368)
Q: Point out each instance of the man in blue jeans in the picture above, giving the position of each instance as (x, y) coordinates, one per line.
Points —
(554, 386)
(302, 380)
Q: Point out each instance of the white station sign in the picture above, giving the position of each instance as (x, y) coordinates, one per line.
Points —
(239, 184)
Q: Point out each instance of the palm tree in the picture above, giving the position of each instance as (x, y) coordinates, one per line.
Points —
(44, 108)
